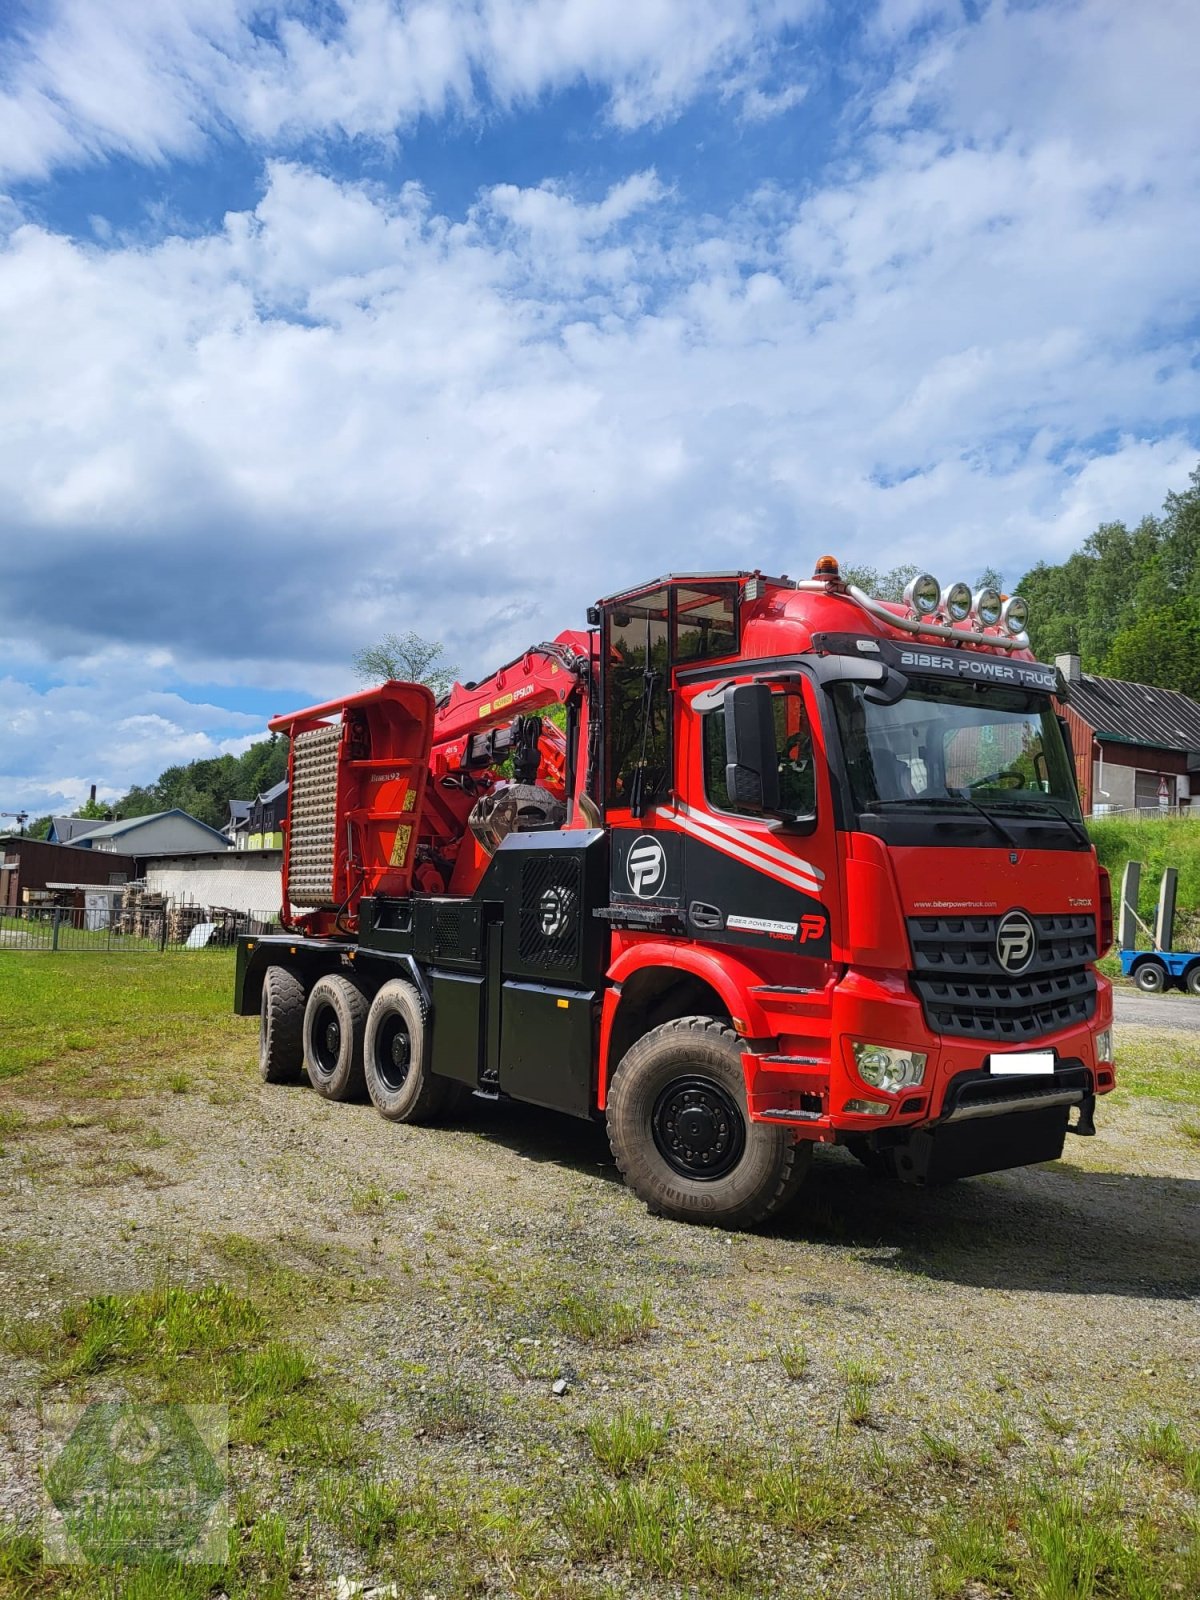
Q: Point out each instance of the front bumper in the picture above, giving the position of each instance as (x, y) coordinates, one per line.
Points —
(958, 1086)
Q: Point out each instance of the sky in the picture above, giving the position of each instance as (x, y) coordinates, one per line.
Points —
(321, 319)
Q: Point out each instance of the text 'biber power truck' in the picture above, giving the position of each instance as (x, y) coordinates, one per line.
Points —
(798, 867)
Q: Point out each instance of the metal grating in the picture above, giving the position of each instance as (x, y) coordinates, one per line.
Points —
(967, 993)
(549, 912)
(313, 816)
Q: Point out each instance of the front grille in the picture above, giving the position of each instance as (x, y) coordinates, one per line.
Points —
(966, 992)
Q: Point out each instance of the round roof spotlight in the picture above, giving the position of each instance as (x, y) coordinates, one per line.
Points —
(923, 594)
(956, 601)
(1015, 615)
(987, 606)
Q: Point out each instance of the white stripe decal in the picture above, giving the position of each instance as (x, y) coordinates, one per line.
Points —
(741, 850)
(765, 847)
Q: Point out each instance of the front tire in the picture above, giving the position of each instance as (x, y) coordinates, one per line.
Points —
(281, 1027)
(680, 1134)
(1151, 977)
(334, 1025)
(396, 1057)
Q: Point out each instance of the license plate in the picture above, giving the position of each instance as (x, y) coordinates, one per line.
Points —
(1021, 1063)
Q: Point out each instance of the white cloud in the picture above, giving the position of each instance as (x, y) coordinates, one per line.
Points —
(106, 730)
(156, 82)
(341, 412)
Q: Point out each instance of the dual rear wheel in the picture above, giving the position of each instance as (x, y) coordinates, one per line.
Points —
(347, 1043)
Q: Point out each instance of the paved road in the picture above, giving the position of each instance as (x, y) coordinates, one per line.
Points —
(1157, 1010)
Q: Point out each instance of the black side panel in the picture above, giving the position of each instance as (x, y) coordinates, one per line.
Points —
(730, 902)
(550, 884)
(458, 1021)
(546, 1046)
(448, 931)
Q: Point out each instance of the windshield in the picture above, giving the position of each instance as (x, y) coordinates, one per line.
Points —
(959, 744)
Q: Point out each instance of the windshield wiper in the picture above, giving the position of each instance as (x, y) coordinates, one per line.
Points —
(970, 800)
(1043, 806)
(931, 801)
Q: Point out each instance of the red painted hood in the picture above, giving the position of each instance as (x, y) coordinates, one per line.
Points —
(947, 883)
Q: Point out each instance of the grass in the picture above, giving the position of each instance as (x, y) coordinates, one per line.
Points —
(468, 1480)
(1156, 843)
(793, 1358)
(1162, 1442)
(1153, 1065)
(83, 1024)
(593, 1318)
(628, 1442)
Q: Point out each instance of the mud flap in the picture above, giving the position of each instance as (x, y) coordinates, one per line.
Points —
(985, 1144)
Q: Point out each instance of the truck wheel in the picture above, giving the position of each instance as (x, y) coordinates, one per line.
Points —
(1191, 979)
(678, 1128)
(281, 1027)
(396, 1057)
(334, 1024)
(1151, 977)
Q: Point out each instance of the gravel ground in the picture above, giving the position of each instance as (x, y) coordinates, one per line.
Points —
(1171, 1010)
(1055, 1304)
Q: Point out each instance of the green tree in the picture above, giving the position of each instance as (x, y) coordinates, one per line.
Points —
(1126, 602)
(94, 811)
(409, 657)
(39, 827)
(1161, 647)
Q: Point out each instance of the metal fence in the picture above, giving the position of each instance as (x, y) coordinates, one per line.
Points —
(1146, 813)
(143, 930)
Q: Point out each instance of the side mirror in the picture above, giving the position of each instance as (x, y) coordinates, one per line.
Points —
(752, 762)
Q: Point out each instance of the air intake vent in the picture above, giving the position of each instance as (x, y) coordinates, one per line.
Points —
(550, 911)
(313, 816)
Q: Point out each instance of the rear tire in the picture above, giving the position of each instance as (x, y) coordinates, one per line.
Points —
(396, 1057)
(1151, 977)
(1191, 979)
(281, 1027)
(334, 1024)
(680, 1134)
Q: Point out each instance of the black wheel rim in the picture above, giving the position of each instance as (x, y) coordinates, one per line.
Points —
(698, 1129)
(327, 1040)
(393, 1053)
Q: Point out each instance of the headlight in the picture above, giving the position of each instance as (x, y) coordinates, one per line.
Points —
(956, 601)
(888, 1069)
(1104, 1047)
(922, 594)
(987, 605)
(1016, 615)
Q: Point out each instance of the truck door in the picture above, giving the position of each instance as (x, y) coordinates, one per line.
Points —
(760, 880)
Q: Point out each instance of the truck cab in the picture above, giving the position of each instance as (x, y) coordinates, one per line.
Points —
(800, 867)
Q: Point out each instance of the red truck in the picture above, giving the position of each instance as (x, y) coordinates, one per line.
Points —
(788, 866)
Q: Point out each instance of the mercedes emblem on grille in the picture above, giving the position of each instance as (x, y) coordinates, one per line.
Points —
(1016, 942)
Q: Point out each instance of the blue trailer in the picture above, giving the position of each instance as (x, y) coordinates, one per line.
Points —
(1157, 968)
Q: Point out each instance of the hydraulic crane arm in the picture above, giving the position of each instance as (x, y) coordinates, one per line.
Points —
(546, 674)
